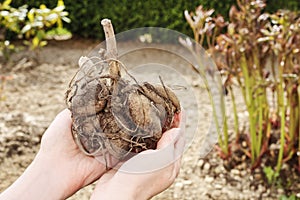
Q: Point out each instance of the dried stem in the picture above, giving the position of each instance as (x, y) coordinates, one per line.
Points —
(111, 49)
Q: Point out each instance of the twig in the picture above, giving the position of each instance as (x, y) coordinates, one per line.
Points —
(111, 48)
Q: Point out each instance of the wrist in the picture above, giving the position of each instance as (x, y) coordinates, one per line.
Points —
(37, 182)
(68, 174)
(59, 174)
(52, 180)
(116, 189)
(112, 192)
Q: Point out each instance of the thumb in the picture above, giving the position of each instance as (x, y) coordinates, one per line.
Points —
(169, 137)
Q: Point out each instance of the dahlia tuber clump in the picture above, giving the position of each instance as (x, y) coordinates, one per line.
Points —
(112, 115)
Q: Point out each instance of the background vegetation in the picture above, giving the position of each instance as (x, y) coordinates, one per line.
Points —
(86, 14)
(258, 54)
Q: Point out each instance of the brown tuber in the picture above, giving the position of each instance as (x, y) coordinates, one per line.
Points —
(112, 115)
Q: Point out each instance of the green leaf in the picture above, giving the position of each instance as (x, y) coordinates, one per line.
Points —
(6, 3)
(40, 34)
(43, 43)
(64, 13)
(60, 3)
(270, 174)
(35, 42)
(26, 42)
(66, 19)
(52, 17)
(59, 8)
(284, 197)
(30, 15)
(26, 28)
(43, 7)
(59, 34)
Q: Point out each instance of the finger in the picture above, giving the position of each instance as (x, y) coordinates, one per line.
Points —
(178, 151)
(64, 115)
(107, 176)
(176, 120)
(177, 166)
(62, 121)
(168, 137)
(182, 122)
(149, 161)
(61, 126)
(179, 147)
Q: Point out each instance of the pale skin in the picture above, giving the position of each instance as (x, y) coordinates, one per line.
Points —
(60, 169)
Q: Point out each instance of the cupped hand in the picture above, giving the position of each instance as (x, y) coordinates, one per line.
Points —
(148, 173)
(72, 168)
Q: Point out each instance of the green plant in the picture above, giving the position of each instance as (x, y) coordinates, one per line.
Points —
(270, 174)
(239, 46)
(34, 24)
(292, 197)
(40, 20)
(282, 34)
(6, 49)
(10, 20)
(260, 52)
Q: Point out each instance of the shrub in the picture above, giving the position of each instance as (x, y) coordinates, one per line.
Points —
(34, 24)
(86, 14)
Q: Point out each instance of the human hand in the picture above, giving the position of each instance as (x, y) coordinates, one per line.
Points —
(146, 174)
(74, 168)
(59, 169)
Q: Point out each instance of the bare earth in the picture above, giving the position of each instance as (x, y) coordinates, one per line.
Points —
(36, 95)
